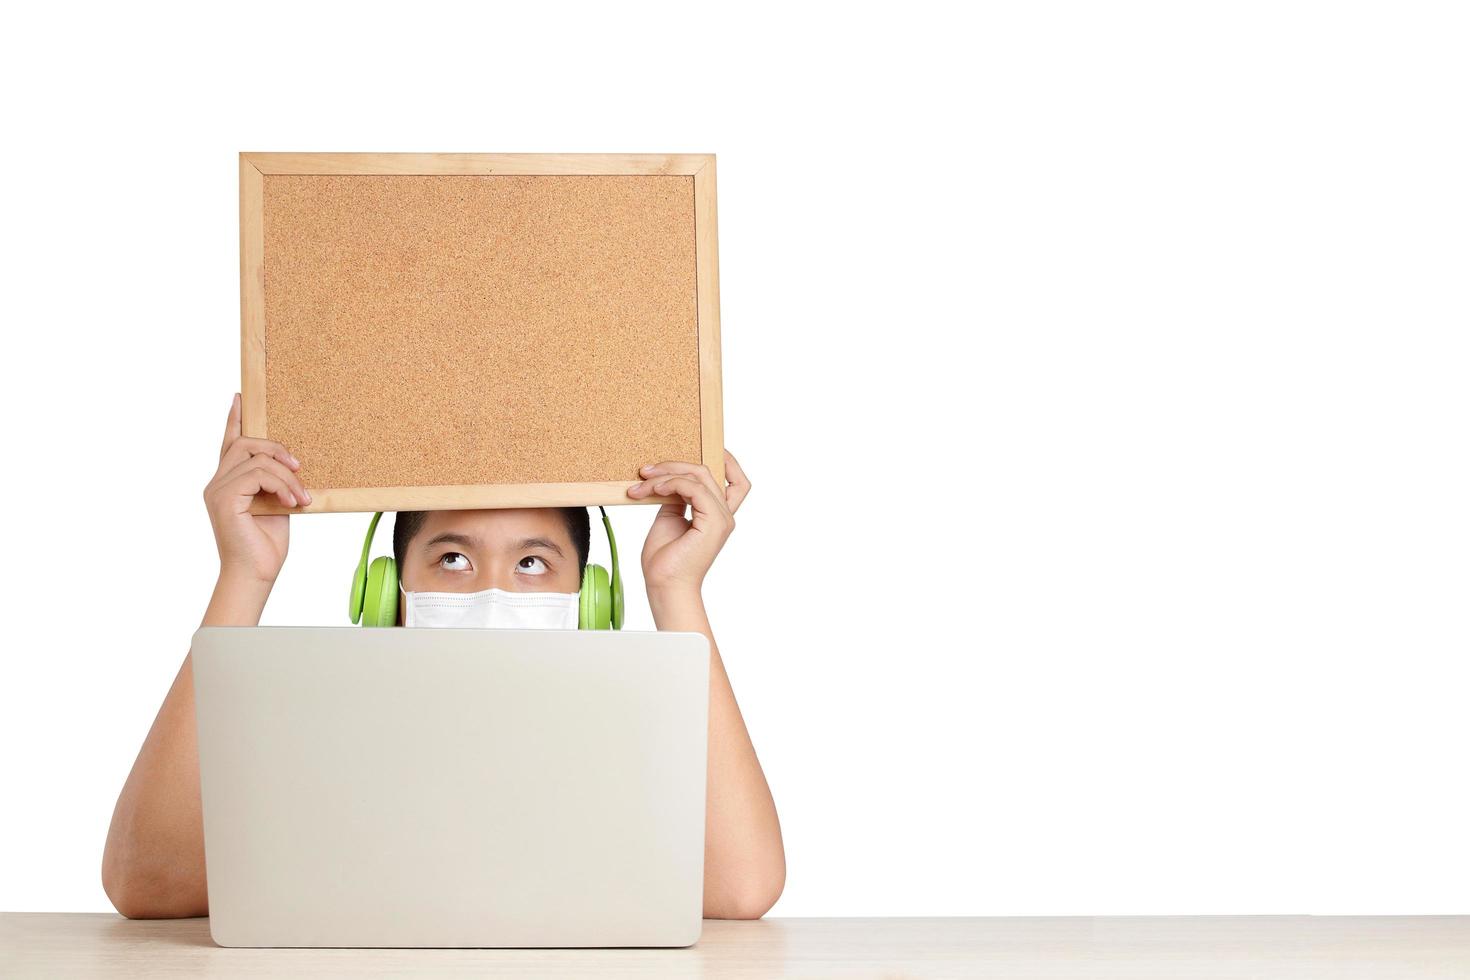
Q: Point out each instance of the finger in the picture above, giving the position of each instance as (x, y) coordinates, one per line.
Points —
(232, 426)
(676, 467)
(290, 480)
(644, 487)
(243, 448)
(680, 466)
(691, 470)
(255, 479)
(739, 482)
(293, 481)
(709, 509)
(252, 481)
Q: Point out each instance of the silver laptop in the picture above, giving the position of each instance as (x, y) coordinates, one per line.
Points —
(452, 787)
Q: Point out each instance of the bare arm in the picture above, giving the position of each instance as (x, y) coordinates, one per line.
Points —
(153, 862)
(744, 858)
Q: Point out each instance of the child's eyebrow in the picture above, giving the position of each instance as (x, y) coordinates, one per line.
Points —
(469, 541)
(452, 537)
(539, 543)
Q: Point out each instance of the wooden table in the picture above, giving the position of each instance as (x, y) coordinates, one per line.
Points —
(1177, 948)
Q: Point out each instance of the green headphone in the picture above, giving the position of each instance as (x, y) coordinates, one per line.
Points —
(374, 597)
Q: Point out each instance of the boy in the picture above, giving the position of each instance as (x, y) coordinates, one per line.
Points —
(153, 863)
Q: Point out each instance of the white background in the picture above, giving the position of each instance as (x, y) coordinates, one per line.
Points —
(1100, 369)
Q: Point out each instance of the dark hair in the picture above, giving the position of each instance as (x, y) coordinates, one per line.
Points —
(407, 523)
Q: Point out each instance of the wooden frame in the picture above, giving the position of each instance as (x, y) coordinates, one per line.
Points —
(255, 166)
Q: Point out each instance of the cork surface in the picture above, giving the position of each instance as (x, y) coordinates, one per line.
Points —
(479, 329)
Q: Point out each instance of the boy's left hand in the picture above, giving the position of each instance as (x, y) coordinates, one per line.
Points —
(679, 551)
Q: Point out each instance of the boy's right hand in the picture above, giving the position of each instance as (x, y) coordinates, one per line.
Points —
(251, 546)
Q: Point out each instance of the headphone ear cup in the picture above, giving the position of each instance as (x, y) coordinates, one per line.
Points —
(594, 610)
(380, 604)
(354, 601)
(358, 599)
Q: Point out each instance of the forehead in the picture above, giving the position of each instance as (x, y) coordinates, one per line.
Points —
(496, 527)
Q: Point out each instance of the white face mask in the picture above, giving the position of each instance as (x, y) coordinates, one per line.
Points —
(492, 609)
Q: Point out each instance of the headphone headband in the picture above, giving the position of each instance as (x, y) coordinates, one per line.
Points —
(359, 578)
(617, 579)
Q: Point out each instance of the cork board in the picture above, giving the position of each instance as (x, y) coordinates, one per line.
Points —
(428, 331)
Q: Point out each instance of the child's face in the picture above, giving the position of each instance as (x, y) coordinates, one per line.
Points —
(526, 550)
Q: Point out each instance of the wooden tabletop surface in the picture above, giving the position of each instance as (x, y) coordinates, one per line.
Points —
(34, 944)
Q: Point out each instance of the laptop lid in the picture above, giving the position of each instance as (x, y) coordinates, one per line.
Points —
(452, 787)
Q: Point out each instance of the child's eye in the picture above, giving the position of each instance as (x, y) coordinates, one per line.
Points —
(454, 562)
(531, 568)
